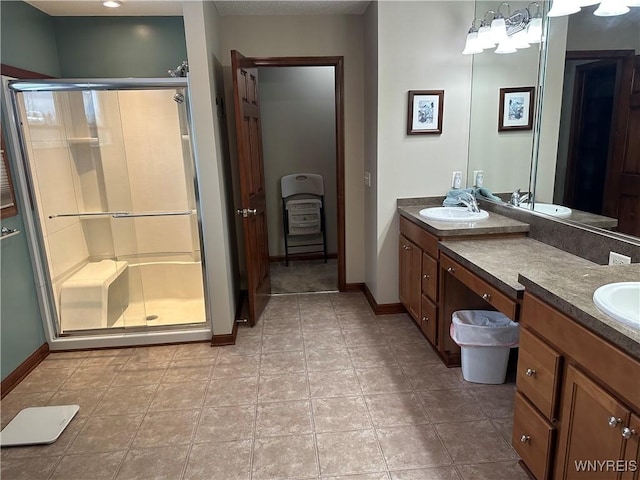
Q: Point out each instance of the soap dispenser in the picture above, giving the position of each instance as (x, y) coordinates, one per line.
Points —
(457, 180)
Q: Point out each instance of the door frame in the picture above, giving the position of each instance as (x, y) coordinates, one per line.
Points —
(337, 63)
(619, 58)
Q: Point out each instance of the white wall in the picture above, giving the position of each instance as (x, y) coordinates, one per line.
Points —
(419, 47)
(338, 35)
(297, 108)
(201, 28)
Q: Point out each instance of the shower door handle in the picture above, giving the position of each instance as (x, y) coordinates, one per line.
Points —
(152, 214)
(87, 214)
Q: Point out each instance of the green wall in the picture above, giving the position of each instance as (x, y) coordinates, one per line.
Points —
(116, 47)
(28, 42)
(27, 38)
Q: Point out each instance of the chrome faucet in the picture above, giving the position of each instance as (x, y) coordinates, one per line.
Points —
(517, 198)
(470, 201)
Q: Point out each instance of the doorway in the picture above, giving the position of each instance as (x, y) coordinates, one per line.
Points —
(297, 107)
(251, 167)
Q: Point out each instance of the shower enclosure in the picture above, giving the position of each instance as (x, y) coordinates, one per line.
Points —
(111, 175)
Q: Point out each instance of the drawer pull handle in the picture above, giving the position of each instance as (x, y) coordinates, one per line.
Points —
(425, 319)
(525, 438)
(530, 372)
(451, 270)
(426, 276)
(486, 296)
(627, 433)
(407, 247)
(614, 422)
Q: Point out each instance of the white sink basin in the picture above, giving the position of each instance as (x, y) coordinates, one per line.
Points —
(621, 301)
(548, 209)
(453, 214)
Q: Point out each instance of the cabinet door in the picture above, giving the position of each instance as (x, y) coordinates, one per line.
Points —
(591, 431)
(428, 320)
(410, 257)
(430, 277)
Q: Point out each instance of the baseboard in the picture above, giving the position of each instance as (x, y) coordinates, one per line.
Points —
(15, 377)
(241, 312)
(302, 256)
(382, 309)
(354, 287)
(226, 339)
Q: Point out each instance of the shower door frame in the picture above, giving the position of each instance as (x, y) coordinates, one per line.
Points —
(131, 336)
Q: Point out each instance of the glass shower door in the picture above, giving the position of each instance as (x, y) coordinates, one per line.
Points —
(77, 163)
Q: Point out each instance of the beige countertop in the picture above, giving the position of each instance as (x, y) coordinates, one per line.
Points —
(495, 224)
(500, 260)
(570, 290)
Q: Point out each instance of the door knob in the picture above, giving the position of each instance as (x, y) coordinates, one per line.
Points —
(530, 372)
(486, 296)
(627, 433)
(451, 270)
(525, 438)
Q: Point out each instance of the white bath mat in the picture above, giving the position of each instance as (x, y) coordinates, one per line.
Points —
(36, 425)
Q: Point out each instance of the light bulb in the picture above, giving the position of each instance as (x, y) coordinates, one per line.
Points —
(505, 46)
(111, 3)
(520, 40)
(563, 7)
(534, 30)
(498, 29)
(471, 46)
(610, 8)
(484, 37)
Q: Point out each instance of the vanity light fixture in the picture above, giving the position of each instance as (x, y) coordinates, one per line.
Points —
(607, 8)
(508, 31)
(610, 8)
(111, 3)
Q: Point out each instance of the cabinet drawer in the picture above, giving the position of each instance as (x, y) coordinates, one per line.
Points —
(430, 277)
(532, 437)
(428, 320)
(427, 242)
(538, 373)
(490, 294)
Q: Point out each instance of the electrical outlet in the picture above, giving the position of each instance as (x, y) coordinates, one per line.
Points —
(456, 179)
(618, 259)
(475, 177)
(367, 179)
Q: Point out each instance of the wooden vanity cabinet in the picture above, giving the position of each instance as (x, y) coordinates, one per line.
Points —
(418, 253)
(577, 400)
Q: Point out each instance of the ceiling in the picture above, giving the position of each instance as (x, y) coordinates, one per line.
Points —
(225, 7)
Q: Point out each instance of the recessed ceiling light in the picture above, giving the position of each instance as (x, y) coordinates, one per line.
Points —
(111, 3)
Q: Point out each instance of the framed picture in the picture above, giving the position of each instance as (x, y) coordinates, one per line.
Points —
(516, 108)
(425, 111)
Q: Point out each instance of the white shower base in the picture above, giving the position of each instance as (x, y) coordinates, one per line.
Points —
(159, 294)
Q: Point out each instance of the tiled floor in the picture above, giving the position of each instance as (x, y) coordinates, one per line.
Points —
(304, 276)
(320, 389)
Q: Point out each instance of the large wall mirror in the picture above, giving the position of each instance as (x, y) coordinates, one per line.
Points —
(589, 156)
(504, 156)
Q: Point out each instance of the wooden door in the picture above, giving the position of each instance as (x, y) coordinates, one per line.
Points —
(253, 210)
(622, 184)
(591, 129)
(591, 430)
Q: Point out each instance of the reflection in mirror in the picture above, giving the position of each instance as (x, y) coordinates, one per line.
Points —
(8, 206)
(589, 158)
(504, 157)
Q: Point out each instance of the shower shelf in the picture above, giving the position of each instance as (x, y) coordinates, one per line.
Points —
(92, 141)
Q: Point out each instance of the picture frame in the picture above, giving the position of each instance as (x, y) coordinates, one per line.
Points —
(516, 108)
(425, 112)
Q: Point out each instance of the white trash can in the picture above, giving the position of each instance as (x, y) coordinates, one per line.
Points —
(485, 338)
